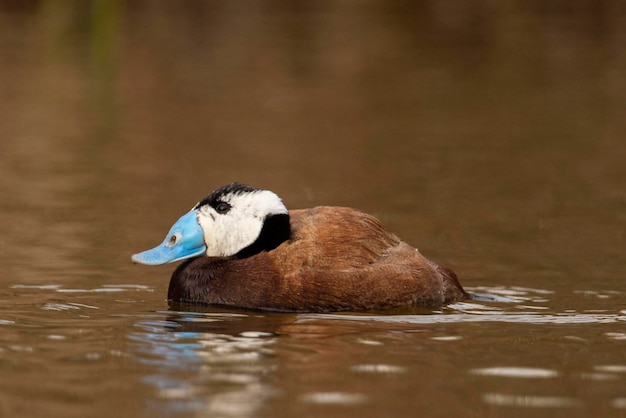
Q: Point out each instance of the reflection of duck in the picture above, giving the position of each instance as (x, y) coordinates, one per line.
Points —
(259, 255)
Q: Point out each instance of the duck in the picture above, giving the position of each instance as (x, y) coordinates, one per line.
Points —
(241, 247)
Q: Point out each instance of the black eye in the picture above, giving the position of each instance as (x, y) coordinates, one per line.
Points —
(222, 207)
(173, 240)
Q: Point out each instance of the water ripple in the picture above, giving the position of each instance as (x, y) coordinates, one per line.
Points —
(529, 401)
(378, 368)
(334, 398)
(66, 306)
(519, 372)
(475, 316)
(107, 288)
(523, 305)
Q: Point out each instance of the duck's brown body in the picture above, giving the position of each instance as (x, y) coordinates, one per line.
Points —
(337, 259)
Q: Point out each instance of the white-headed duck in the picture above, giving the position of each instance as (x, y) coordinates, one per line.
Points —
(243, 248)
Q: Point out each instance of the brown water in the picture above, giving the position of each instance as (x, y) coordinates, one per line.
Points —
(490, 134)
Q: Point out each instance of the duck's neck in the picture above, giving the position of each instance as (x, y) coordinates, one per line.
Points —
(275, 231)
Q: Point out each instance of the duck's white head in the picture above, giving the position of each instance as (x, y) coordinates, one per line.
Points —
(234, 220)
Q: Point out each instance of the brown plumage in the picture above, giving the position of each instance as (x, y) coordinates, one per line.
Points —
(336, 259)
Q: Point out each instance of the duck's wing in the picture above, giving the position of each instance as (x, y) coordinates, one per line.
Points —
(344, 259)
(335, 238)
